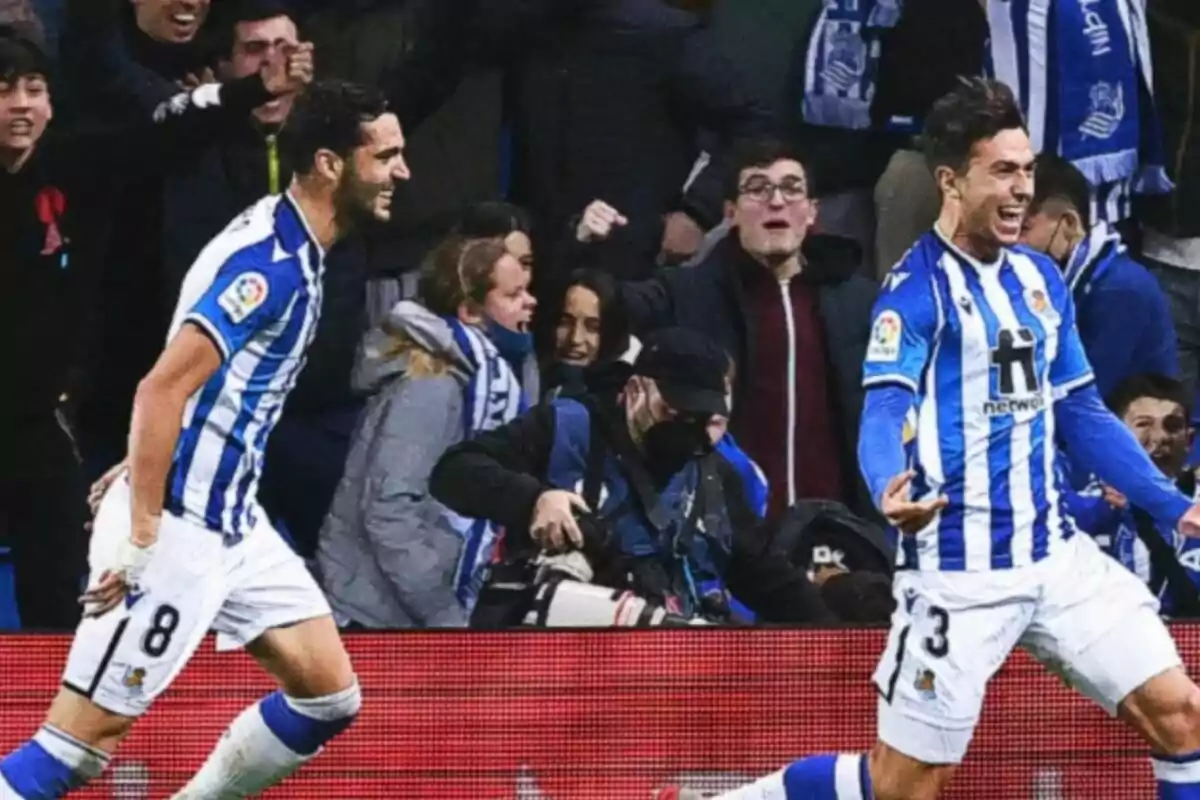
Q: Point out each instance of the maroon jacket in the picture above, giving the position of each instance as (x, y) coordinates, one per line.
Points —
(715, 298)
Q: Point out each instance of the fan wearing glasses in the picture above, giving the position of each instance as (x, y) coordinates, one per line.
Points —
(791, 308)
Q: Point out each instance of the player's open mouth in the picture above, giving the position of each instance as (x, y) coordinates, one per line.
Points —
(20, 127)
(1012, 214)
(777, 225)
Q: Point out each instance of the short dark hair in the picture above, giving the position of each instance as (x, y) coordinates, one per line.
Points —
(21, 55)
(1149, 384)
(761, 152)
(231, 13)
(329, 115)
(976, 110)
(1055, 178)
(493, 218)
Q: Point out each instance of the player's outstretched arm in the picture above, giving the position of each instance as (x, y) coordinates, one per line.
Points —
(882, 461)
(189, 360)
(1107, 448)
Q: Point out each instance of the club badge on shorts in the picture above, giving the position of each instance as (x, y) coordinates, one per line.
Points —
(244, 296)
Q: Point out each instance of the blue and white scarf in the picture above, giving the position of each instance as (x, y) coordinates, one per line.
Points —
(492, 398)
(1099, 89)
(1090, 258)
(842, 61)
(1082, 72)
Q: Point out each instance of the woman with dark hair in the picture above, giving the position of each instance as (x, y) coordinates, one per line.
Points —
(588, 331)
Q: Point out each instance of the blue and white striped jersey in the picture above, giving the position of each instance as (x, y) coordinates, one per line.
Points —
(987, 348)
(255, 290)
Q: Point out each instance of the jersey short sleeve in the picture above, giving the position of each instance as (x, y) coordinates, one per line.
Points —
(247, 295)
(903, 326)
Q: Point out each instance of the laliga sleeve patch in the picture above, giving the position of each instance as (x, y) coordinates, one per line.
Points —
(244, 296)
(885, 338)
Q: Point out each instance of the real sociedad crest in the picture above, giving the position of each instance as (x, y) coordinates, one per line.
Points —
(1106, 110)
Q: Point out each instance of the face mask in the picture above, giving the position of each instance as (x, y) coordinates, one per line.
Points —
(515, 346)
(670, 445)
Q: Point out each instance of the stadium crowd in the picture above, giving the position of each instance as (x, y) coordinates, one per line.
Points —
(604, 365)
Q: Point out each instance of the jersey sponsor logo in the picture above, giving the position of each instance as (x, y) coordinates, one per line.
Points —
(1017, 384)
(1004, 407)
(885, 337)
(244, 296)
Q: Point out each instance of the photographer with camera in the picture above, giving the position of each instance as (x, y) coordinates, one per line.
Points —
(624, 514)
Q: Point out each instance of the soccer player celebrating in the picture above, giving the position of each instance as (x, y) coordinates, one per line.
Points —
(977, 336)
(180, 545)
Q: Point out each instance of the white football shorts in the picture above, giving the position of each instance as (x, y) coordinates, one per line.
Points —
(1078, 611)
(193, 584)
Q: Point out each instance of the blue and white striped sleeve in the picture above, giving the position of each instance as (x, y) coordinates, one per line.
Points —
(1070, 369)
(903, 327)
(245, 297)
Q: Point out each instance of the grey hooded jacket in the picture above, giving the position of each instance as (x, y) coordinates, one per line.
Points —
(386, 554)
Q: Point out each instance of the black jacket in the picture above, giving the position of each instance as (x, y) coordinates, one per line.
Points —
(51, 270)
(606, 99)
(710, 298)
(1173, 27)
(495, 476)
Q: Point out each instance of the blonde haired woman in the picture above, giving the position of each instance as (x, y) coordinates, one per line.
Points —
(439, 371)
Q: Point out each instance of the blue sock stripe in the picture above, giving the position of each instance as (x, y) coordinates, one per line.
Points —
(864, 778)
(1178, 791)
(813, 778)
(37, 775)
(1186, 758)
(301, 734)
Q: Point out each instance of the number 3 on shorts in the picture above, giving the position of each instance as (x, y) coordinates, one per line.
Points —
(936, 644)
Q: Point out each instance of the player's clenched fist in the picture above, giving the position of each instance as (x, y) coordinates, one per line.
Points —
(554, 523)
(908, 515)
(289, 70)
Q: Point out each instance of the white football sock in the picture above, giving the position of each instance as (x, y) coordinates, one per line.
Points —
(248, 759)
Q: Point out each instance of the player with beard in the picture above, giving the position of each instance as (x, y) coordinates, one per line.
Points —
(180, 545)
(974, 339)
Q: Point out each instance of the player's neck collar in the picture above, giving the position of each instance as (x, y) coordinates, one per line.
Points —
(299, 212)
(964, 255)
